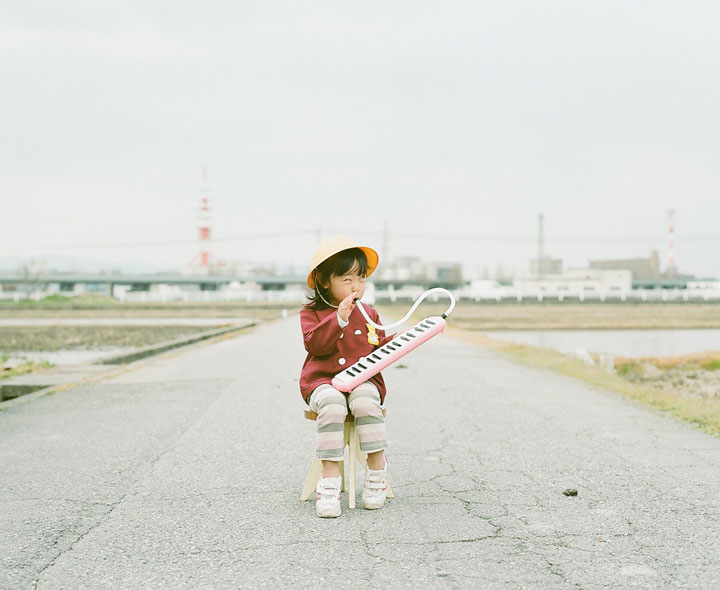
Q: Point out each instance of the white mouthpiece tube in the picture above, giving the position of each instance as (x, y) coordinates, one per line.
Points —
(412, 309)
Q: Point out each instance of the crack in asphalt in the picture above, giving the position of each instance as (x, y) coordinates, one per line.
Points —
(141, 472)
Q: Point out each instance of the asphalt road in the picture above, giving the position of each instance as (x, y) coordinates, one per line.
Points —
(184, 471)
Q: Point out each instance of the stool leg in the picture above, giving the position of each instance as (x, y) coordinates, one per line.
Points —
(312, 479)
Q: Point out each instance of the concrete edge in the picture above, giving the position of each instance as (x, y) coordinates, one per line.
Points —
(28, 397)
(154, 349)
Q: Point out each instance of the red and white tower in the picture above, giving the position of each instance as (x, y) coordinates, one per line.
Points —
(204, 261)
(671, 268)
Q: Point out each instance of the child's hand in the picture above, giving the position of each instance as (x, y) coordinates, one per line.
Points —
(346, 306)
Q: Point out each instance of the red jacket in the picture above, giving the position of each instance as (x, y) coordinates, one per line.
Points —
(332, 348)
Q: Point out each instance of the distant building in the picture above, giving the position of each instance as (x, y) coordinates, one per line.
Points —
(235, 268)
(545, 265)
(484, 289)
(403, 268)
(641, 268)
(577, 282)
(411, 268)
(444, 272)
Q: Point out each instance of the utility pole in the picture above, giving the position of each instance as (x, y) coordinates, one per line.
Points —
(540, 247)
(671, 268)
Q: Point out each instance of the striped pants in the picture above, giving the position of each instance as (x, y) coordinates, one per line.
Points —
(331, 407)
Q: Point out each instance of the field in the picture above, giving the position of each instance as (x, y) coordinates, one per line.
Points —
(466, 316)
(687, 387)
(74, 337)
(14, 340)
(52, 338)
(97, 306)
(553, 316)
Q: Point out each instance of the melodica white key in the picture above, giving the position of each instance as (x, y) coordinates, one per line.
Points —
(397, 348)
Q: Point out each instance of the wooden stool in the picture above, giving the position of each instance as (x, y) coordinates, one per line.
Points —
(350, 438)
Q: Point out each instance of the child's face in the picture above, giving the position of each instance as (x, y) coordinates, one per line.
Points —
(342, 286)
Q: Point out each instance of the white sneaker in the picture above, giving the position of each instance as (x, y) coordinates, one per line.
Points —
(375, 488)
(328, 497)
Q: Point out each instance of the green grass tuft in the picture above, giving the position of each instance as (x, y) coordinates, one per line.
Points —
(712, 365)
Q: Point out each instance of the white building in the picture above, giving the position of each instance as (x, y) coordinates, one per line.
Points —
(577, 282)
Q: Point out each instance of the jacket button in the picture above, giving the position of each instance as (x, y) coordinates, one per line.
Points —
(341, 361)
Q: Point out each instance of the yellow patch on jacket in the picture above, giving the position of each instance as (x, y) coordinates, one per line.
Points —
(372, 335)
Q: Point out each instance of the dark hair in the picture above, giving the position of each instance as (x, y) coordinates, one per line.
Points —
(337, 265)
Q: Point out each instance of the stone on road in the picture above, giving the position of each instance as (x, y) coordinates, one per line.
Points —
(184, 471)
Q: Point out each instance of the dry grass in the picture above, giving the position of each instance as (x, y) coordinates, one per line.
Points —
(26, 367)
(691, 376)
(708, 361)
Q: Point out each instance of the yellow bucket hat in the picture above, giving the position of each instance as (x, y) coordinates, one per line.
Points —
(332, 246)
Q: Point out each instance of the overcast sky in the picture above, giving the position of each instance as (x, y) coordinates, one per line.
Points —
(455, 121)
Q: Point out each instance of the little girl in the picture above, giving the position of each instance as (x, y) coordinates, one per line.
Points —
(335, 337)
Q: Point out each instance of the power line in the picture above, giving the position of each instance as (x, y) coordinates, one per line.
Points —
(498, 239)
(568, 239)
